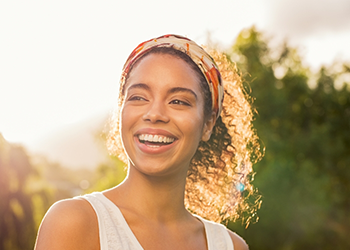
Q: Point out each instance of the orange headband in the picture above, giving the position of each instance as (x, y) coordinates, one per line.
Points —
(198, 55)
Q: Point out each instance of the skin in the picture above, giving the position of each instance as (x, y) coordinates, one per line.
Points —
(162, 97)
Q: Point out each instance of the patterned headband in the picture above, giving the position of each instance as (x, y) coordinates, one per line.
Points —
(198, 55)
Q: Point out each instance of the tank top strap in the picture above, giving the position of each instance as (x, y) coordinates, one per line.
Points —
(114, 232)
(217, 235)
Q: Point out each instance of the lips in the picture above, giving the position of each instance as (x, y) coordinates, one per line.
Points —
(156, 138)
(154, 141)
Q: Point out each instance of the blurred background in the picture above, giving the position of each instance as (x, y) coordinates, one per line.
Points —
(59, 71)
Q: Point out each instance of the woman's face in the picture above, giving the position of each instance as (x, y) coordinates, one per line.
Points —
(162, 116)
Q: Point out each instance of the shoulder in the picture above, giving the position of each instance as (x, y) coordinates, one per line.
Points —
(238, 242)
(69, 224)
(70, 212)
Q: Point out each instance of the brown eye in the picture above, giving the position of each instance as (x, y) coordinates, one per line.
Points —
(136, 98)
(179, 102)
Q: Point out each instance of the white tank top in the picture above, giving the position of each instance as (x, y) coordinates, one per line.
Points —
(115, 233)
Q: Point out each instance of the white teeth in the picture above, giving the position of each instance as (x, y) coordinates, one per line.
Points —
(155, 138)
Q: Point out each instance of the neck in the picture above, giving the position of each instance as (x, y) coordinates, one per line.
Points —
(159, 198)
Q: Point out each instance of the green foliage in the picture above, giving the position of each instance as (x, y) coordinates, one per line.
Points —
(19, 198)
(28, 187)
(303, 177)
(109, 174)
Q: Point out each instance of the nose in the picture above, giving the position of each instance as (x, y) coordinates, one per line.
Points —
(156, 113)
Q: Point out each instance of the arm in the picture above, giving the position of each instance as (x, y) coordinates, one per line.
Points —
(238, 242)
(69, 224)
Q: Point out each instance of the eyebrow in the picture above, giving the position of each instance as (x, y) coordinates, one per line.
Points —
(139, 86)
(180, 89)
(171, 91)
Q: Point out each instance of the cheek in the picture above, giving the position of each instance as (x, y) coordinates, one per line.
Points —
(125, 121)
(192, 125)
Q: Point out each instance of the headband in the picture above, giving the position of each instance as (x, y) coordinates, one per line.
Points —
(198, 55)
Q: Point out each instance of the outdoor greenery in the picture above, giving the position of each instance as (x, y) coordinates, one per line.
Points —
(303, 120)
(28, 187)
(305, 127)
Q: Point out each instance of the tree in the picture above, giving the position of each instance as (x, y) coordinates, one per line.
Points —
(303, 177)
(19, 200)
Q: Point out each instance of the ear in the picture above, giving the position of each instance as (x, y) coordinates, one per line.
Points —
(208, 127)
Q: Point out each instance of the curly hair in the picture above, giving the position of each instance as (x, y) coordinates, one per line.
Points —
(218, 184)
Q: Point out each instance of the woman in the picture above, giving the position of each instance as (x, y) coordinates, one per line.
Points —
(187, 157)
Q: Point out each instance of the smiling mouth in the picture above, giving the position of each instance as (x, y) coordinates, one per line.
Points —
(155, 140)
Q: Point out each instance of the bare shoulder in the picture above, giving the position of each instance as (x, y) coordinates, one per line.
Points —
(238, 242)
(69, 224)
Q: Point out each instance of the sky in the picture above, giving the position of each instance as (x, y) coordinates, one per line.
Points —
(60, 61)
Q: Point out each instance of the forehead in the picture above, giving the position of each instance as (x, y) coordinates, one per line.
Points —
(163, 69)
